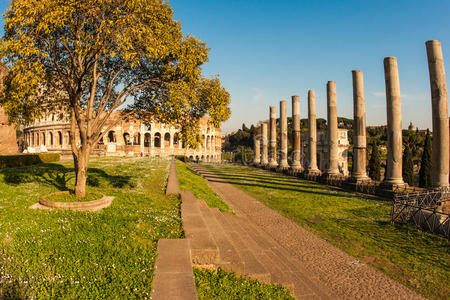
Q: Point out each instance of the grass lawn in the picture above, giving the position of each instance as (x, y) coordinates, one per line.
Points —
(189, 180)
(66, 254)
(108, 254)
(222, 285)
(357, 224)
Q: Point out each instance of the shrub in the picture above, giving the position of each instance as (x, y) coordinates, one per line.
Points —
(19, 160)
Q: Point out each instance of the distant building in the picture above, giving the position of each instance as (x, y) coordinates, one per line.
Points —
(126, 138)
(411, 127)
(322, 150)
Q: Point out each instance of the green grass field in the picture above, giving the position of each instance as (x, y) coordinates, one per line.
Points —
(110, 254)
(66, 254)
(218, 284)
(190, 181)
(357, 224)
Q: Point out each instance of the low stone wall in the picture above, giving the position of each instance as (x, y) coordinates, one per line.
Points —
(88, 205)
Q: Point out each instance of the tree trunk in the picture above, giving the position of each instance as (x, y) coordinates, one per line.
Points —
(81, 166)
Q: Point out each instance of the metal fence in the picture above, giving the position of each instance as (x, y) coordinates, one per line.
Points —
(423, 210)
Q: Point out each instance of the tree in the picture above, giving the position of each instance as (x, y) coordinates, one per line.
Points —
(426, 164)
(90, 58)
(375, 164)
(408, 166)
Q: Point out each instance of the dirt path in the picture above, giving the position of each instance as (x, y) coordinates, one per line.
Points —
(323, 263)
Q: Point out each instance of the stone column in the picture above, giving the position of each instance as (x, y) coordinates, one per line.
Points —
(283, 135)
(265, 150)
(393, 175)
(257, 145)
(332, 129)
(312, 125)
(296, 165)
(273, 138)
(359, 128)
(439, 102)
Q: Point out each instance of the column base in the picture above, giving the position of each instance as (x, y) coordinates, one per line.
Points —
(393, 184)
(313, 172)
(283, 166)
(273, 165)
(360, 180)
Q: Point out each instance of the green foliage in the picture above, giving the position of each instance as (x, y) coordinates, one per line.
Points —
(11, 161)
(426, 164)
(408, 166)
(221, 285)
(87, 59)
(375, 164)
(189, 180)
(356, 224)
(62, 254)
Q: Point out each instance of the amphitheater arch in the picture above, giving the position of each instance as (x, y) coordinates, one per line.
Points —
(50, 134)
(111, 136)
(60, 138)
(43, 138)
(126, 138)
(157, 140)
(147, 139)
(166, 140)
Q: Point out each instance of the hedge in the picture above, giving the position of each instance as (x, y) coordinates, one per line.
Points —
(11, 161)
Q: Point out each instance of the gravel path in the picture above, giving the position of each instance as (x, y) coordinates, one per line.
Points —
(339, 272)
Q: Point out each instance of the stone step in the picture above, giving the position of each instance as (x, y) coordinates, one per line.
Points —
(174, 278)
(203, 247)
(252, 266)
(230, 260)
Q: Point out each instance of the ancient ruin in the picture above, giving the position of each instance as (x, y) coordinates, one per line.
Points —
(439, 104)
(127, 138)
(359, 173)
(332, 129)
(296, 164)
(283, 136)
(312, 135)
(393, 177)
(273, 138)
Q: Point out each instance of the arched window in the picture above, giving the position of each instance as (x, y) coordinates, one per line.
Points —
(111, 137)
(43, 138)
(137, 139)
(126, 138)
(60, 138)
(51, 138)
(167, 140)
(176, 139)
(157, 140)
(147, 139)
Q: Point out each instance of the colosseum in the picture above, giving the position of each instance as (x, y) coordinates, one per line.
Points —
(127, 138)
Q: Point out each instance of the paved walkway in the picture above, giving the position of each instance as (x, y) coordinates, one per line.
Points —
(321, 270)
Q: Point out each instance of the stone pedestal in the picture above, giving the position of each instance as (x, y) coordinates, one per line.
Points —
(257, 146)
(359, 173)
(296, 164)
(332, 130)
(439, 102)
(393, 177)
(273, 138)
(264, 140)
(312, 143)
(283, 136)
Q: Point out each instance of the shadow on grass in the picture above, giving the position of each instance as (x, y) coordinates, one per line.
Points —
(58, 176)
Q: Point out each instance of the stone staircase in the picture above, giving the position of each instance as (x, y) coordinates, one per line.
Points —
(220, 239)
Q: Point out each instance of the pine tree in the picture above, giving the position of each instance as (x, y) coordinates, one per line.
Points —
(408, 166)
(375, 164)
(425, 166)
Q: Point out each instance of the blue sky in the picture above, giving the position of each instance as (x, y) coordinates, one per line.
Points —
(267, 51)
